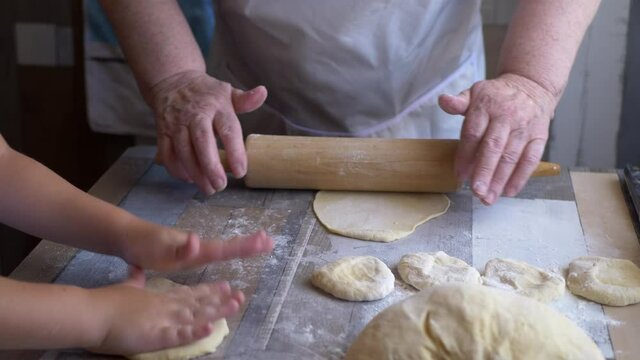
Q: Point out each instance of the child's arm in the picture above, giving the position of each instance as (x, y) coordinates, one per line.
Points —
(118, 319)
(36, 200)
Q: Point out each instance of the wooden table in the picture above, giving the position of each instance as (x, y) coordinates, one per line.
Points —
(286, 318)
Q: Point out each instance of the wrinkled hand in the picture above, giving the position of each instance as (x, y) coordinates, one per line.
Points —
(134, 320)
(504, 133)
(151, 246)
(191, 108)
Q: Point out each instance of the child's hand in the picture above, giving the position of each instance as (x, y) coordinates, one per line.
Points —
(136, 320)
(156, 247)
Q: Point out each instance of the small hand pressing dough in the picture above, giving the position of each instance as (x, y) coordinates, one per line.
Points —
(376, 216)
(605, 280)
(355, 278)
(524, 279)
(200, 347)
(423, 270)
(463, 321)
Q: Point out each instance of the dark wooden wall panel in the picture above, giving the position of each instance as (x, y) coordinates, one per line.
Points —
(43, 111)
(629, 133)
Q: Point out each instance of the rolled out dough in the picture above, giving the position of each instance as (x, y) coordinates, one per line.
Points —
(423, 270)
(462, 321)
(524, 279)
(355, 278)
(203, 346)
(377, 216)
(605, 280)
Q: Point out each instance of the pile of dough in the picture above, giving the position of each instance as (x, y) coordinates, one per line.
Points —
(604, 280)
(203, 346)
(423, 270)
(524, 279)
(376, 216)
(355, 278)
(461, 321)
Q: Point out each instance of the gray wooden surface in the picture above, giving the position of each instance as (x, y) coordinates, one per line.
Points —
(284, 316)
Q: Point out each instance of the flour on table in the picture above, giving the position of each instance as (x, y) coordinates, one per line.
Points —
(377, 216)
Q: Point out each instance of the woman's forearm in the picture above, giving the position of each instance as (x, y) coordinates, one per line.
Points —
(543, 39)
(156, 39)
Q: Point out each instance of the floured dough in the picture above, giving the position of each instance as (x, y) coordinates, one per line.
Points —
(355, 278)
(423, 270)
(462, 321)
(605, 280)
(376, 216)
(524, 279)
(203, 346)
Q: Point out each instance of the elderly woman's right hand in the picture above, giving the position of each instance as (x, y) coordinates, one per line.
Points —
(191, 109)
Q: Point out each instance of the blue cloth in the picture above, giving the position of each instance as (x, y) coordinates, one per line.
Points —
(199, 14)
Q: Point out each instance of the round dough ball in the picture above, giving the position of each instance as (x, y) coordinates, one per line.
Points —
(355, 278)
(423, 270)
(461, 321)
(524, 279)
(605, 280)
(376, 216)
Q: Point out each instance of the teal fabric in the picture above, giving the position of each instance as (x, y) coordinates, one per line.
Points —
(199, 14)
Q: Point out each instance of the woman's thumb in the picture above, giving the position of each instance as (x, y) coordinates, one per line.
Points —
(455, 104)
(247, 101)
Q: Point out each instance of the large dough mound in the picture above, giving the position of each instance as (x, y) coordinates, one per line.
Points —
(355, 278)
(524, 279)
(423, 270)
(376, 216)
(604, 280)
(471, 322)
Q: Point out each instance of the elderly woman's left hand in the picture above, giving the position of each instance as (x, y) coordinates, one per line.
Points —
(504, 133)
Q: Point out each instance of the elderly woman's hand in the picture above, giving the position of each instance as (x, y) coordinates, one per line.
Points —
(504, 133)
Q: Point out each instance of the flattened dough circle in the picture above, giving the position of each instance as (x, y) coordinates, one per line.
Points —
(465, 321)
(203, 346)
(377, 216)
(355, 278)
(605, 280)
(524, 279)
(422, 270)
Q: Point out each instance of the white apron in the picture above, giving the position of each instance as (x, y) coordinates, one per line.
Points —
(366, 68)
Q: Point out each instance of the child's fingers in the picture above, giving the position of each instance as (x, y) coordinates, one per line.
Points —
(239, 247)
(190, 248)
(136, 277)
(192, 252)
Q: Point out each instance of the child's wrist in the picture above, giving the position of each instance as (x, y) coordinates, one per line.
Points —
(96, 319)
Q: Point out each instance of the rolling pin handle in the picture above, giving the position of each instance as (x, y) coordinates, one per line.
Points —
(224, 161)
(547, 169)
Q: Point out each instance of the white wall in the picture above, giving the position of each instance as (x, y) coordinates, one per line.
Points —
(584, 131)
(588, 117)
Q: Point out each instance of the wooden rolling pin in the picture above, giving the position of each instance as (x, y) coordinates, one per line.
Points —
(360, 164)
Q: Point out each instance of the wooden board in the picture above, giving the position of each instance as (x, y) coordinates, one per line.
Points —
(284, 316)
(609, 232)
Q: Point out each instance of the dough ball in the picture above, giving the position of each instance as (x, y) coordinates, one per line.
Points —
(462, 321)
(376, 216)
(203, 346)
(604, 280)
(524, 279)
(423, 270)
(355, 278)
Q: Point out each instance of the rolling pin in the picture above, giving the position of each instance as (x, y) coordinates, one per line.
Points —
(357, 164)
